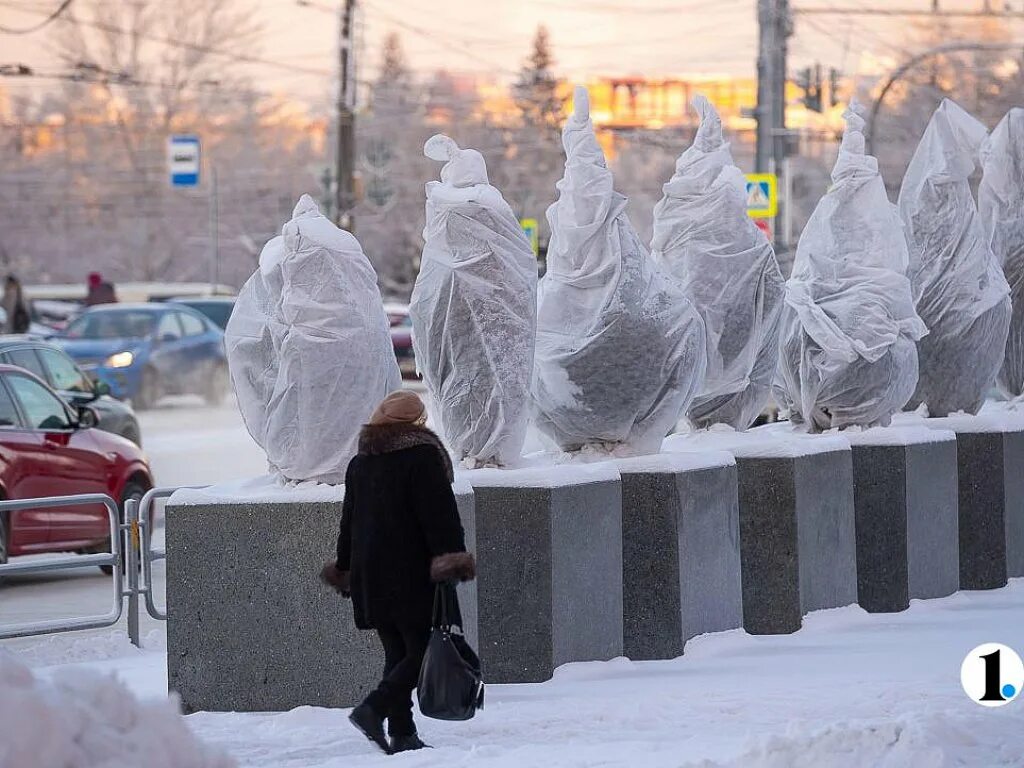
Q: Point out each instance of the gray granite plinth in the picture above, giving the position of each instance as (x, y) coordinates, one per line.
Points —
(680, 551)
(797, 536)
(467, 590)
(250, 628)
(797, 545)
(905, 496)
(549, 568)
(990, 457)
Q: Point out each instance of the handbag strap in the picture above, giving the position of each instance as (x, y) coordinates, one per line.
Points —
(439, 615)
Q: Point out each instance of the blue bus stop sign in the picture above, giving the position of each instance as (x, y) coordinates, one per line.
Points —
(183, 160)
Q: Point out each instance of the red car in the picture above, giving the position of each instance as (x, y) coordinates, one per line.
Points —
(47, 449)
(401, 338)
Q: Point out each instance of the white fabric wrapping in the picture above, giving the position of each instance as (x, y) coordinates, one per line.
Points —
(474, 310)
(848, 339)
(1001, 205)
(959, 287)
(704, 238)
(620, 349)
(309, 348)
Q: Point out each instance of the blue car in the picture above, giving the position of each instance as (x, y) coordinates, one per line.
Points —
(145, 351)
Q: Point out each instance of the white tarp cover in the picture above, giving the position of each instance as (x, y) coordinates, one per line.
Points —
(620, 349)
(848, 341)
(704, 238)
(1001, 205)
(959, 287)
(474, 310)
(309, 348)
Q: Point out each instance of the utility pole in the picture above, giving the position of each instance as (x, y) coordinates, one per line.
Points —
(775, 28)
(345, 151)
(214, 210)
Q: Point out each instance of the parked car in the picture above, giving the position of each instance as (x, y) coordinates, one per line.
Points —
(401, 338)
(146, 351)
(216, 308)
(49, 449)
(50, 363)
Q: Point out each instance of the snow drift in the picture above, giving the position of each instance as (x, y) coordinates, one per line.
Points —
(88, 720)
(309, 348)
(620, 349)
(704, 238)
(959, 287)
(848, 340)
(1001, 205)
(474, 310)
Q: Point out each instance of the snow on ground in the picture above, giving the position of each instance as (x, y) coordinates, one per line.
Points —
(849, 690)
(84, 719)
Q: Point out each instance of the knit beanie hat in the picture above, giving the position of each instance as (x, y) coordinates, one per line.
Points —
(401, 407)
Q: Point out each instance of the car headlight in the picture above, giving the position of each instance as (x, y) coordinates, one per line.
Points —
(120, 360)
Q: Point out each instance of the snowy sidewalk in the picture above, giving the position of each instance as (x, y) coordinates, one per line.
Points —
(849, 690)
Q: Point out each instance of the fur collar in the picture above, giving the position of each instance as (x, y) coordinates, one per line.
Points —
(375, 439)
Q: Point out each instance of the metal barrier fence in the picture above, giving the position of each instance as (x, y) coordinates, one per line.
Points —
(131, 556)
(114, 558)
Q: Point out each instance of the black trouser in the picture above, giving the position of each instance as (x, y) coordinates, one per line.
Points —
(403, 657)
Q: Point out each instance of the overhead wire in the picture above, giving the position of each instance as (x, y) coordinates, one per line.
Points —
(186, 45)
(36, 27)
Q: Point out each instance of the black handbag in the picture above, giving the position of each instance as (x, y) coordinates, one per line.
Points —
(450, 685)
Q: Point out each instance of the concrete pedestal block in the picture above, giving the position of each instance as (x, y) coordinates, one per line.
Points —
(680, 551)
(990, 468)
(549, 568)
(467, 590)
(797, 541)
(250, 626)
(905, 496)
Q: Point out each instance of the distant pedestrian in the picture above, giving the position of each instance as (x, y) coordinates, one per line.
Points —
(17, 318)
(400, 534)
(99, 291)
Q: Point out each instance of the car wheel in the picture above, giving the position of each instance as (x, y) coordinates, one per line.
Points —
(217, 385)
(132, 490)
(149, 391)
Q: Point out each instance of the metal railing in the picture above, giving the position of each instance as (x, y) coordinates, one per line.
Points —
(131, 559)
(143, 514)
(113, 559)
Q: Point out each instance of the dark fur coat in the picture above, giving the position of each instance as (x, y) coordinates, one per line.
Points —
(400, 528)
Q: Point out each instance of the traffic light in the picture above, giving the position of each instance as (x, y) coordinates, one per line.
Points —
(809, 80)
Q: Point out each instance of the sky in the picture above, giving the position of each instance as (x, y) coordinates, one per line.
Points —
(589, 37)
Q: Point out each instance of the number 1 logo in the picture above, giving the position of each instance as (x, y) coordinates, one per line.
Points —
(992, 675)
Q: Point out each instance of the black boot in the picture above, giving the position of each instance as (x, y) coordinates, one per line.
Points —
(406, 743)
(371, 725)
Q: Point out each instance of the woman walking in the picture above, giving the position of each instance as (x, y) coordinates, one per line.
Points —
(400, 533)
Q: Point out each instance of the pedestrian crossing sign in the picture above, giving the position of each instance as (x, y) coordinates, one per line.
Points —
(532, 232)
(762, 195)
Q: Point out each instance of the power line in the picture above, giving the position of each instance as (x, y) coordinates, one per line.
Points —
(196, 47)
(907, 12)
(36, 27)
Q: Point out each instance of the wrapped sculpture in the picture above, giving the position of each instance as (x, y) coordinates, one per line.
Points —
(474, 310)
(1001, 205)
(959, 287)
(704, 238)
(849, 355)
(620, 349)
(309, 348)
